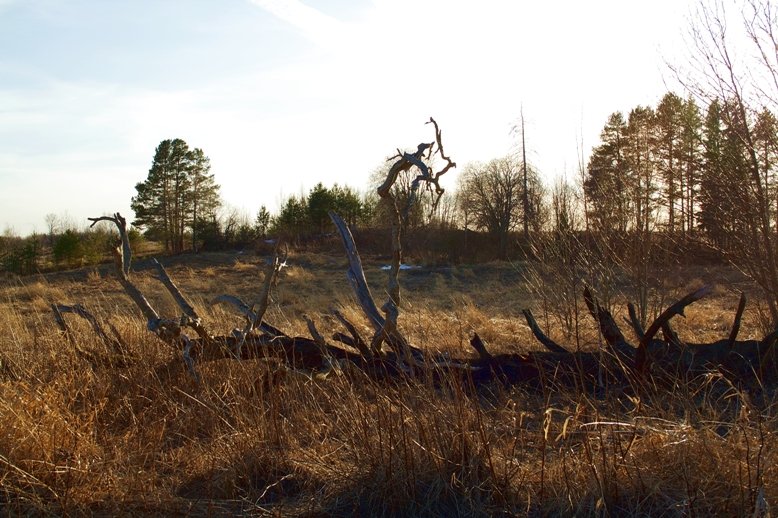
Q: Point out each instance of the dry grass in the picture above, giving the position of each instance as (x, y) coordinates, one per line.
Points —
(84, 436)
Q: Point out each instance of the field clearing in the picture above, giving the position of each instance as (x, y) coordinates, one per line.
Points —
(83, 430)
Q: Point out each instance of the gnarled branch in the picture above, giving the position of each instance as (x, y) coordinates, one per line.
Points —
(356, 338)
(192, 319)
(641, 356)
(608, 327)
(736, 324)
(540, 336)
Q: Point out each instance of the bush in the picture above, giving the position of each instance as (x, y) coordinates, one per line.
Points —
(21, 257)
(67, 248)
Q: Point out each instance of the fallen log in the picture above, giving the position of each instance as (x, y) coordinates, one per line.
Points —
(618, 362)
(670, 356)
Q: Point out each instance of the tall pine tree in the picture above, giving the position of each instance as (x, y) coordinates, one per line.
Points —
(177, 193)
(606, 182)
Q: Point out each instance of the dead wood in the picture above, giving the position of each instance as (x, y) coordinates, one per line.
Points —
(81, 311)
(555, 365)
(192, 318)
(356, 275)
(610, 331)
(736, 323)
(642, 356)
(551, 366)
(540, 336)
(634, 321)
(318, 339)
(671, 337)
(480, 347)
(389, 331)
(355, 339)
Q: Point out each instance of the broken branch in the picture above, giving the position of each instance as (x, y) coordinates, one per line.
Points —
(641, 357)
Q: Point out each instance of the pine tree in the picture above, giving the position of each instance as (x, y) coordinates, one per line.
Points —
(204, 194)
(177, 193)
(766, 146)
(713, 218)
(640, 171)
(668, 119)
(691, 145)
(606, 179)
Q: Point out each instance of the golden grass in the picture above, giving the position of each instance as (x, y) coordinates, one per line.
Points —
(80, 436)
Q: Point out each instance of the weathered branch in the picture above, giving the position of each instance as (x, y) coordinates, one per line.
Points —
(634, 321)
(641, 356)
(81, 311)
(767, 343)
(321, 343)
(125, 252)
(356, 275)
(61, 321)
(357, 340)
(608, 327)
(255, 313)
(168, 331)
(345, 339)
(188, 358)
(192, 318)
(404, 163)
(115, 345)
(389, 331)
(480, 347)
(248, 313)
(736, 324)
(271, 272)
(540, 336)
(241, 306)
(449, 163)
(262, 301)
(671, 337)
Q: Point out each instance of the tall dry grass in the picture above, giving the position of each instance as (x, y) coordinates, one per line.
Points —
(88, 430)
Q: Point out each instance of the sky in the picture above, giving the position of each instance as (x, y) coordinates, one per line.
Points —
(282, 94)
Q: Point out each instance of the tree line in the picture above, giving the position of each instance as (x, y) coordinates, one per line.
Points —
(675, 169)
(698, 168)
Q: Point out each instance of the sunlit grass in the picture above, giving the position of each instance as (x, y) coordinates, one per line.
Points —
(83, 430)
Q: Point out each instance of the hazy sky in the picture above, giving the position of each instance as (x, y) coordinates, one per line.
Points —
(281, 94)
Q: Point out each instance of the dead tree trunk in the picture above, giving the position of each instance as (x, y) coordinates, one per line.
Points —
(747, 361)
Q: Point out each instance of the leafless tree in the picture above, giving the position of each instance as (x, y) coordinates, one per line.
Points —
(734, 59)
(494, 196)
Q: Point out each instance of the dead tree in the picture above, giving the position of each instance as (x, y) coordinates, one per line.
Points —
(386, 330)
(623, 362)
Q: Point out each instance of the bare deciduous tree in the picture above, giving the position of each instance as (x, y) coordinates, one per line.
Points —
(736, 64)
(494, 196)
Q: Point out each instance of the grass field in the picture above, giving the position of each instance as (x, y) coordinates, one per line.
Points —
(84, 430)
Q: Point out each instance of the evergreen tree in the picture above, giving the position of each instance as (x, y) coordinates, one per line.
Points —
(320, 201)
(669, 149)
(262, 222)
(640, 170)
(348, 204)
(766, 146)
(691, 145)
(606, 179)
(713, 218)
(292, 221)
(725, 201)
(177, 194)
(204, 193)
(67, 248)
